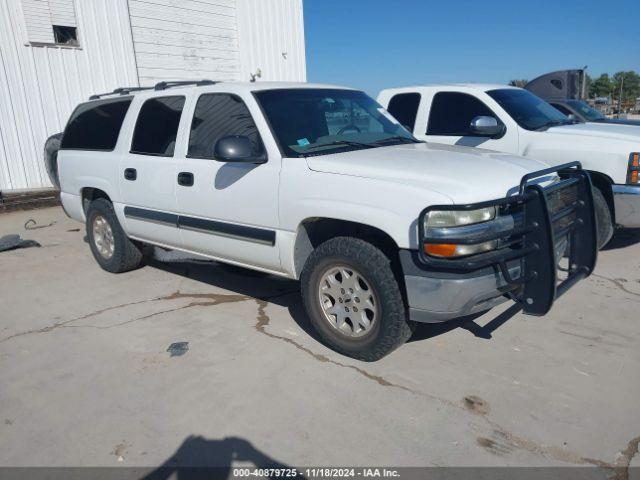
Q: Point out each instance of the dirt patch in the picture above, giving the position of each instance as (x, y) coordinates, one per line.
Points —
(476, 405)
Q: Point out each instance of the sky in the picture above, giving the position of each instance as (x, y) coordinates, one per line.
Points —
(373, 44)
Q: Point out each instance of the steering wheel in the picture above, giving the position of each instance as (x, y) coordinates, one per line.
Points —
(351, 126)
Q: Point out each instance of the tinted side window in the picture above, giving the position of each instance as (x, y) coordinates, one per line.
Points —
(219, 115)
(562, 108)
(157, 126)
(452, 112)
(404, 107)
(96, 125)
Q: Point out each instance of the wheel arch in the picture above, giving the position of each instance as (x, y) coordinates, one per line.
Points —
(89, 194)
(314, 231)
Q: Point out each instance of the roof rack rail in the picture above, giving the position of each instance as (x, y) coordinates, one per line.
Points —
(182, 83)
(119, 91)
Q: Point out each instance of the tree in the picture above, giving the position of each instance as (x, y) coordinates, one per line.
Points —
(601, 86)
(518, 83)
(630, 87)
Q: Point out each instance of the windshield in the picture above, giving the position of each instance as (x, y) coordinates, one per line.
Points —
(586, 111)
(309, 121)
(527, 110)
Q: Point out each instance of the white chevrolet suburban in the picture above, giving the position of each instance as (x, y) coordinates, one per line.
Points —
(321, 184)
(513, 120)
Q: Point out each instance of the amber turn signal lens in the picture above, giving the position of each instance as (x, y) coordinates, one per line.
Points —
(635, 161)
(440, 249)
(634, 177)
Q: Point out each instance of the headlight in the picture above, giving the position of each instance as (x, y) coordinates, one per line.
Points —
(452, 220)
(457, 218)
(634, 168)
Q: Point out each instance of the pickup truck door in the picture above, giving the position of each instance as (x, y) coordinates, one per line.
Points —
(449, 121)
(147, 170)
(227, 210)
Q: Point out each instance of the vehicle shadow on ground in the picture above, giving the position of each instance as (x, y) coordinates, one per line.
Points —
(624, 237)
(201, 458)
(286, 293)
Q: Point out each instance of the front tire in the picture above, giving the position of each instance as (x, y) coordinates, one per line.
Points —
(353, 299)
(110, 246)
(604, 220)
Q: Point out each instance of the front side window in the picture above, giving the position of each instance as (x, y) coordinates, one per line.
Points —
(219, 115)
(404, 107)
(528, 110)
(96, 125)
(157, 126)
(452, 113)
(309, 121)
(586, 111)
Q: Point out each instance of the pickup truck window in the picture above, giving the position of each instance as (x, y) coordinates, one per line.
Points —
(219, 115)
(452, 112)
(157, 126)
(586, 111)
(308, 121)
(404, 106)
(95, 125)
(528, 110)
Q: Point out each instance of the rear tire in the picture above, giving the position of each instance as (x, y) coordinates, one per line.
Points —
(604, 220)
(110, 246)
(376, 322)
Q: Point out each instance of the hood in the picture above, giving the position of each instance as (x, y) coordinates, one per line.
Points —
(620, 121)
(465, 175)
(600, 130)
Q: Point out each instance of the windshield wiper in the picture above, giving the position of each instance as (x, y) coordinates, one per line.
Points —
(337, 143)
(395, 139)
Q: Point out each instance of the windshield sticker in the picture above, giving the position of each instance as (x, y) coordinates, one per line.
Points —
(303, 142)
(388, 116)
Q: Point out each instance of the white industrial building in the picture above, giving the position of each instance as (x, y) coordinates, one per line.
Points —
(56, 53)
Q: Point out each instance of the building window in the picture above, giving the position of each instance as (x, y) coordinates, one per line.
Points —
(65, 35)
(51, 22)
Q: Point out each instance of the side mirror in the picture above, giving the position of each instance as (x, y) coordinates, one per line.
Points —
(571, 117)
(236, 148)
(486, 127)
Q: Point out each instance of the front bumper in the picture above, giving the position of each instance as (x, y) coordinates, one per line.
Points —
(532, 230)
(435, 297)
(626, 199)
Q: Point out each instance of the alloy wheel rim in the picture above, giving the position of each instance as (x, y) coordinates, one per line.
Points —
(103, 237)
(348, 302)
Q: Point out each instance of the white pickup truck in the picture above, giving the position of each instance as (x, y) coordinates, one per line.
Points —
(321, 184)
(513, 120)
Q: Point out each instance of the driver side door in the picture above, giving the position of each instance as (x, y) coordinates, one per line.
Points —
(450, 120)
(227, 210)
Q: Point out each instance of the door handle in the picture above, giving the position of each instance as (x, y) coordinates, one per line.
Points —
(130, 174)
(185, 179)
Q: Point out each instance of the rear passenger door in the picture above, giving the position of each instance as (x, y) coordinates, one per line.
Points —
(450, 119)
(227, 210)
(148, 171)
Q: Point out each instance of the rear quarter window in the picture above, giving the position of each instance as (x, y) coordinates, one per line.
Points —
(96, 125)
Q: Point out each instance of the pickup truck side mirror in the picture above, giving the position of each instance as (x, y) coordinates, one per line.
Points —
(237, 148)
(486, 127)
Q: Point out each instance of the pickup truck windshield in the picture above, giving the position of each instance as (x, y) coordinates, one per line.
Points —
(586, 111)
(309, 121)
(527, 110)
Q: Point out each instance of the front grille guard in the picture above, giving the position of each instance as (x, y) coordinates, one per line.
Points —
(547, 215)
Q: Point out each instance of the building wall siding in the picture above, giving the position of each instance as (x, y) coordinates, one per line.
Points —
(272, 39)
(185, 39)
(40, 85)
(127, 43)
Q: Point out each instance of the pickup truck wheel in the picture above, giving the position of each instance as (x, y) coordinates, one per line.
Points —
(604, 222)
(353, 299)
(110, 246)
